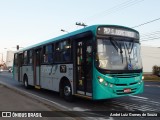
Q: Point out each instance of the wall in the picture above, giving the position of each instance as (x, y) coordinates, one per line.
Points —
(150, 57)
(9, 58)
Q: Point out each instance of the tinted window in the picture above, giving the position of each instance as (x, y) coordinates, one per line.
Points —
(48, 54)
(63, 51)
(16, 59)
(30, 57)
(25, 60)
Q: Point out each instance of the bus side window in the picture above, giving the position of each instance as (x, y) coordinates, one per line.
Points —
(16, 59)
(57, 55)
(62, 51)
(44, 55)
(67, 51)
(25, 57)
(30, 57)
(48, 54)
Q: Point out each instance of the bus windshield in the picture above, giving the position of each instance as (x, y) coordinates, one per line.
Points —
(117, 54)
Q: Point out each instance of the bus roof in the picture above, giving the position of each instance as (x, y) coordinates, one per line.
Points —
(92, 28)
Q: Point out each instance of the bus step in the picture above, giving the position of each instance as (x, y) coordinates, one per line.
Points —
(87, 97)
(37, 86)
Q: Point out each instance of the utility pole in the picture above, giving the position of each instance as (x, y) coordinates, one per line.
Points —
(17, 47)
(81, 24)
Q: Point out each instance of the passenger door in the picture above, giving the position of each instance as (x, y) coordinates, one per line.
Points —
(84, 67)
(36, 67)
(19, 69)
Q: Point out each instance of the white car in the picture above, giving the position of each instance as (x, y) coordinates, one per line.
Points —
(10, 70)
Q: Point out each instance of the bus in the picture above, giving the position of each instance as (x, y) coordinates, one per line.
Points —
(97, 62)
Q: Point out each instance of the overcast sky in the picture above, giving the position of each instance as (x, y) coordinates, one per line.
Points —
(26, 22)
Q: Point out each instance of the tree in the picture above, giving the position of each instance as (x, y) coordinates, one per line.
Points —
(155, 70)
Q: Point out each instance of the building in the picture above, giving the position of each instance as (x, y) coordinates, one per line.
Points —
(1, 58)
(150, 57)
(9, 58)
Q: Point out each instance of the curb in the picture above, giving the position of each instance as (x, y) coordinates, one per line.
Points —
(53, 106)
(50, 104)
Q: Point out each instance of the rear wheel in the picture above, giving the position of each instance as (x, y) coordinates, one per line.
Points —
(25, 82)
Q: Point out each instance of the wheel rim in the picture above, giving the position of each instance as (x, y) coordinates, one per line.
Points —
(25, 83)
(67, 90)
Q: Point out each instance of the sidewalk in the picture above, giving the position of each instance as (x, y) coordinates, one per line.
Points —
(11, 100)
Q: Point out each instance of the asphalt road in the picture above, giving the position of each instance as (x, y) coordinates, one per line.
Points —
(147, 102)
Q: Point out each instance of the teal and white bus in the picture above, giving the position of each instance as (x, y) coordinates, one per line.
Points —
(96, 62)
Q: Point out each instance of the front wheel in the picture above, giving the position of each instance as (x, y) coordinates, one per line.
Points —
(67, 91)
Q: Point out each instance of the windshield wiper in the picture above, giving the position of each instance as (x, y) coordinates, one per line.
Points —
(117, 46)
(129, 52)
(131, 47)
(111, 40)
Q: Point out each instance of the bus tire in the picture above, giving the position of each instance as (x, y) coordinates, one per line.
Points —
(66, 91)
(25, 82)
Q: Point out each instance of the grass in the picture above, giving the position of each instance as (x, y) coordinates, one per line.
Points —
(151, 77)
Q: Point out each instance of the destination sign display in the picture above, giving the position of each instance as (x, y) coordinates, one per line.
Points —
(117, 32)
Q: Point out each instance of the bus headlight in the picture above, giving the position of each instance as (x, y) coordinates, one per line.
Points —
(111, 85)
(106, 84)
(140, 82)
(142, 77)
(100, 79)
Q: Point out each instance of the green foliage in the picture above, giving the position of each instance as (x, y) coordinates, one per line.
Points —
(155, 70)
(151, 77)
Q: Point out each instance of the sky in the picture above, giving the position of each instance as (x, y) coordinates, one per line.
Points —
(27, 22)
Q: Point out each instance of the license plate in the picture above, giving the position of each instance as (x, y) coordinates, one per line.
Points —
(127, 90)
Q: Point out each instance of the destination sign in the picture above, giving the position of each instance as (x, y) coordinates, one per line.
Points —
(117, 32)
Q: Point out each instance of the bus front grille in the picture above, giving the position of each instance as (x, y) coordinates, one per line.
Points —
(121, 92)
(126, 84)
(124, 75)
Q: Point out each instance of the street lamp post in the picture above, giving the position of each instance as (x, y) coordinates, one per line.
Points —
(81, 24)
(64, 31)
